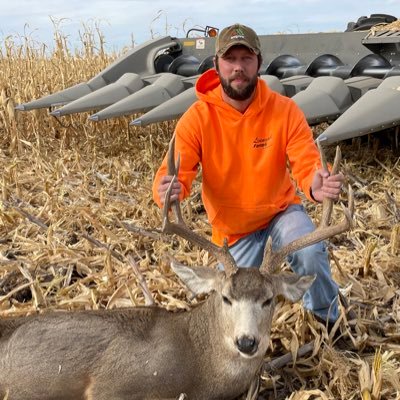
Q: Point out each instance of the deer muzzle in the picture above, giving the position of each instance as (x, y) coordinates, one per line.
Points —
(247, 344)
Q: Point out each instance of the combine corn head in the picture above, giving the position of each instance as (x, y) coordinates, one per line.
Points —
(350, 79)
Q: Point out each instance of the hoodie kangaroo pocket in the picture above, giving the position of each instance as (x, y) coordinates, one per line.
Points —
(233, 220)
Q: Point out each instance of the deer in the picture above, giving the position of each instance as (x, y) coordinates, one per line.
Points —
(211, 352)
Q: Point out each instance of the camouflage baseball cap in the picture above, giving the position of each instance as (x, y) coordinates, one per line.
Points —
(236, 35)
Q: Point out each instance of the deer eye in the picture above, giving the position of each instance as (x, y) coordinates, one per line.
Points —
(267, 302)
(226, 300)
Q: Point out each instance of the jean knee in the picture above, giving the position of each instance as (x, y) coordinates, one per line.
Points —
(311, 260)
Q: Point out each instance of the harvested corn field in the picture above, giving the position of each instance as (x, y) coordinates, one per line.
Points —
(72, 192)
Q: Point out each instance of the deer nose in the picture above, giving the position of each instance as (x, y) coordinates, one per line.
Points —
(247, 344)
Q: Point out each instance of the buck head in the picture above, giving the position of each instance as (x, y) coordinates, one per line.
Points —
(243, 303)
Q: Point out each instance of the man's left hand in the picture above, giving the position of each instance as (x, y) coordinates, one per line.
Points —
(325, 185)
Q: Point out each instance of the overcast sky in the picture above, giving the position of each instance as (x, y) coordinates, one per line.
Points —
(122, 21)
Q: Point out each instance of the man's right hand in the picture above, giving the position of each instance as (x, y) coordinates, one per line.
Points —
(164, 185)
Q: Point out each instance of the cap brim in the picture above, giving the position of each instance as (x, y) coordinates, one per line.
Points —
(222, 51)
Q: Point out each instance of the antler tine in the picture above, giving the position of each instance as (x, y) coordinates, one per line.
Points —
(181, 229)
(272, 259)
(172, 170)
(327, 204)
(268, 257)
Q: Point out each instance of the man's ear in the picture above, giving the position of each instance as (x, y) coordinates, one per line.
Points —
(260, 61)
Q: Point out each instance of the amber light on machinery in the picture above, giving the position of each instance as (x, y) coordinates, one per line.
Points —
(209, 31)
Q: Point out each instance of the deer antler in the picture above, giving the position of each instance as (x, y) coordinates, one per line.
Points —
(272, 259)
(181, 229)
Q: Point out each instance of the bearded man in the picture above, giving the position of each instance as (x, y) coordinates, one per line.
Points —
(251, 142)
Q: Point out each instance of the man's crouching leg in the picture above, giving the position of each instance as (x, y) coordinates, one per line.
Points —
(322, 298)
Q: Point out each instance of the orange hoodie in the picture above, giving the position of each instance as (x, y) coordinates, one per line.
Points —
(243, 157)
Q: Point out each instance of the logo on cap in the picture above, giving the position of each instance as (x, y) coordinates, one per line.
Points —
(239, 34)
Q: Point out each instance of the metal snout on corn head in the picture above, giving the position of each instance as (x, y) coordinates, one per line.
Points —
(212, 352)
(349, 79)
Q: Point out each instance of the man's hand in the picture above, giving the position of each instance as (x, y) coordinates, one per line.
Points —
(325, 185)
(164, 185)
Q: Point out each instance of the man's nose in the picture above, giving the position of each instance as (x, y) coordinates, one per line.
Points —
(238, 66)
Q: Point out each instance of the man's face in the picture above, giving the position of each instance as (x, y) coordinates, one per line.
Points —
(238, 71)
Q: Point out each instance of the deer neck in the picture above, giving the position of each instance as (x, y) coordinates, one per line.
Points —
(204, 322)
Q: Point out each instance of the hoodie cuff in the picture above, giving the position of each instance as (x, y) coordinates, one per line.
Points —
(312, 197)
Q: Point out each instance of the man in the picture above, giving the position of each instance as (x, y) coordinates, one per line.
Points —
(243, 134)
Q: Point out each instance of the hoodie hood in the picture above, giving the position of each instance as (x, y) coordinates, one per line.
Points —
(206, 83)
(208, 89)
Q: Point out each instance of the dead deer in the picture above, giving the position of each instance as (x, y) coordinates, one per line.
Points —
(213, 351)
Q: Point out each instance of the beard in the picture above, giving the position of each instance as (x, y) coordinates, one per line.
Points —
(239, 94)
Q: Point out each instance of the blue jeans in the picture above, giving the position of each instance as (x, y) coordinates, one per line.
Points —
(321, 298)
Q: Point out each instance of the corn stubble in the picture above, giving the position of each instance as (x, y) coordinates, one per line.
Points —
(70, 188)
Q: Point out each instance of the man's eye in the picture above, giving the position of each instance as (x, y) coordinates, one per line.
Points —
(226, 300)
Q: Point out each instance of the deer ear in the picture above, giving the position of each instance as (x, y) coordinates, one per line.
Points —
(293, 286)
(198, 279)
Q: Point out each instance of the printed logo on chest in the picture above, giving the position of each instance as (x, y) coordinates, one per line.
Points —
(261, 142)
